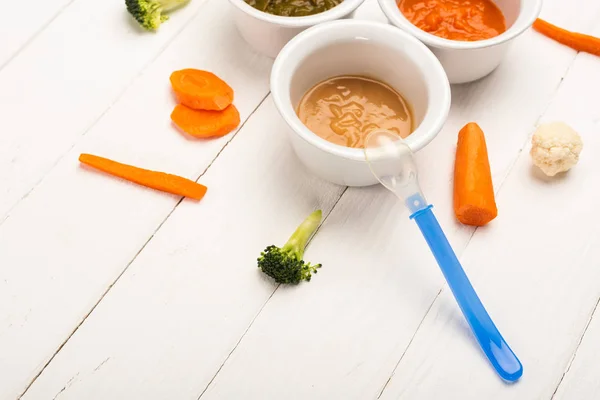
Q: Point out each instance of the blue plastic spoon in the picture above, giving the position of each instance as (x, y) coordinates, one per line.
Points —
(392, 163)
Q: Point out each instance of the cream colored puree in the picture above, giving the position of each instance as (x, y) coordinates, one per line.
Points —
(344, 109)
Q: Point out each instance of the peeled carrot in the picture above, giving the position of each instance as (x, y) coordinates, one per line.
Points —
(577, 41)
(201, 90)
(205, 124)
(156, 180)
(474, 202)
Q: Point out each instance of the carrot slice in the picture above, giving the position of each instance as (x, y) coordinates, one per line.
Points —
(156, 180)
(205, 124)
(474, 201)
(577, 41)
(201, 90)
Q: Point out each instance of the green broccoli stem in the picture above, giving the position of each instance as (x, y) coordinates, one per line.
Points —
(303, 233)
(169, 5)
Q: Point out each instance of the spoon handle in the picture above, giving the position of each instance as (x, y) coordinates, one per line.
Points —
(495, 348)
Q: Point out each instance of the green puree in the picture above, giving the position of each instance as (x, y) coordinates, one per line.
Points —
(293, 8)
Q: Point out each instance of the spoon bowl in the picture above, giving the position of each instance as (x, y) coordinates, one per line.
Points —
(391, 161)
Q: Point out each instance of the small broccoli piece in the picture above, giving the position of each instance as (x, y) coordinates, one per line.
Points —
(285, 264)
(150, 13)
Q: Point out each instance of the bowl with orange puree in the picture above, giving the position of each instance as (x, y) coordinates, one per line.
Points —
(469, 37)
(336, 82)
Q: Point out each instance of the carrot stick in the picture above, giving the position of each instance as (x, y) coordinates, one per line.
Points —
(577, 41)
(474, 202)
(205, 124)
(156, 180)
(201, 90)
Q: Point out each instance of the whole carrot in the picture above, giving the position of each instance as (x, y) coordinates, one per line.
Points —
(474, 201)
(156, 180)
(577, 41)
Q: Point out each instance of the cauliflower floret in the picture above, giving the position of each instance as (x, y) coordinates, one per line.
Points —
(555, 147)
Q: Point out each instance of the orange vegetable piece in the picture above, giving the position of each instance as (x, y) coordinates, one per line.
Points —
(577, 41)
(474, 201)
(205, 124)
(156, 180)
(201, 90)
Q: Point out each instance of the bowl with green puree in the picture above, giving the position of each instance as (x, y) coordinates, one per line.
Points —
(267, 25)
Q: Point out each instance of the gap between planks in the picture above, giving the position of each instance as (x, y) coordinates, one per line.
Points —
(161, 50)
(570, 363)
(110, 286)
(387, 382)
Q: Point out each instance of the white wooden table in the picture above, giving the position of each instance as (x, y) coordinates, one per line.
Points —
(112, 291)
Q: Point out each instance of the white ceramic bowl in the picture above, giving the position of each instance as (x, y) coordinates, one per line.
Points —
(268, 33)
(352, 47)
(469, 61)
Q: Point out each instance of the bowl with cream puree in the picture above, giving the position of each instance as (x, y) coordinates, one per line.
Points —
(470, 37)
(336, 82)
(267, 25)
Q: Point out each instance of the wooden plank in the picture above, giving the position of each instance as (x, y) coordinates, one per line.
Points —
(164, 334)
(64, 81)
(22, 21)
(537, 270)
(67, 242)
(188, 297)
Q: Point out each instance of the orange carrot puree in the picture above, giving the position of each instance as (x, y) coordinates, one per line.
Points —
(466, 20)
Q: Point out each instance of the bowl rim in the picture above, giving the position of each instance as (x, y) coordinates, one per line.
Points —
(337, 12)
(436, 81)
(521, 24)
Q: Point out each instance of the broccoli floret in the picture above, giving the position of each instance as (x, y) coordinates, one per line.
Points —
(285, 264)
(150, 13)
